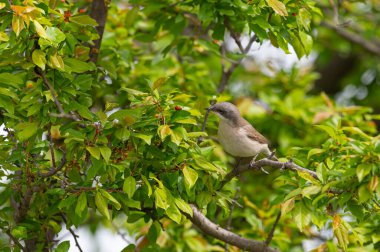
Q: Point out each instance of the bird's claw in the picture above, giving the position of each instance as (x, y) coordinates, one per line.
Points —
(253, 160)
(272, 154)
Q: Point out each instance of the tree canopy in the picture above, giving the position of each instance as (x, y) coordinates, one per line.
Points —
(103, 109)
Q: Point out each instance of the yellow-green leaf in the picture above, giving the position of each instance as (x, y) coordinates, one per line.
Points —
(161, 199)
(17, 24)
(146, 182)
(40, 30)
(108, 196)
(146, 138)
(173, 213)
(57, 62)
(183, 206)
(363, 170)
(159, 82)
(81, 204)
(315, 151)
(190, 175)
(101, 205)
(26, 131)
(278, 7)
(94, 151)
(3, 36)
(39, 59)
(106, 153)
(287, 206)
(164, 131)
(2, 5)
(129, 186)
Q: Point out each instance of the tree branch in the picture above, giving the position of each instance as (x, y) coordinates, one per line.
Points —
(270, 235)
(354, 38)
(267, 162)
(54, 169)
(210, 228)
(99, 12)
(75, 239)
(52, 91)
(13, 239)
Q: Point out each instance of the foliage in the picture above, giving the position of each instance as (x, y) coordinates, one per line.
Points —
(88, 142)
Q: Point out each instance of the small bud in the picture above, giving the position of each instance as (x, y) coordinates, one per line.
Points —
(177, 108)
(82, 10)
(294, 14)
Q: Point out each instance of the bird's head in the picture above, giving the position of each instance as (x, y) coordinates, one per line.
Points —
(226, 111)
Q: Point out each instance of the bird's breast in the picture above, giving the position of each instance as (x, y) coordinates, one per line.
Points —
(236, 142)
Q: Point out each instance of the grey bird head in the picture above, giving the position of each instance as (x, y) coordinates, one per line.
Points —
(226, 111)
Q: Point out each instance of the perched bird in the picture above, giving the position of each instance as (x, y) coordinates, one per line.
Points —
(237, 136)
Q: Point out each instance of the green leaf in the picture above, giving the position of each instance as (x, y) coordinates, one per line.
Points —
(321, 172)
(146, 182)
(278, 7)
(94, 151)
(55, 35)
(161, 198)
(39, 58)
(159, 82)
(27, 130)
(307, 42)
(7, 92)
(11, 79)
(310, 190)
(304, 17)
(183, 206)
(122, 134)
(63, 247)
(108, 196)
(364, 194)
(315, 151)
(146, 138)
(173, 213)
(129, 186)
(84, 20)
(101, 205)
(363, 170)
(301, 216)
(19, 232)
(190, 175)
(78, 66)
(106, 153)
(204, 164)
(81, 204)
(328, 129)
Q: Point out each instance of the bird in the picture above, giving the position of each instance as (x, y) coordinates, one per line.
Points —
(237, 136)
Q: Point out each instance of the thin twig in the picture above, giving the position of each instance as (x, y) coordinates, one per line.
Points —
(51, 146)
(369, 46)
(13, 239)
(232, 207)
(75, 239)
(52, 91)
(53, 170)
(72, 232)
(270, 235)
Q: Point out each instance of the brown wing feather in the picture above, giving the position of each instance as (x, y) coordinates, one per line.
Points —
(253, 134)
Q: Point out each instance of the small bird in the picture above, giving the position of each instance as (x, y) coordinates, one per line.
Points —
(237, 136)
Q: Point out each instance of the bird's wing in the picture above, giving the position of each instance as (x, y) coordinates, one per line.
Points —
(253, 134)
